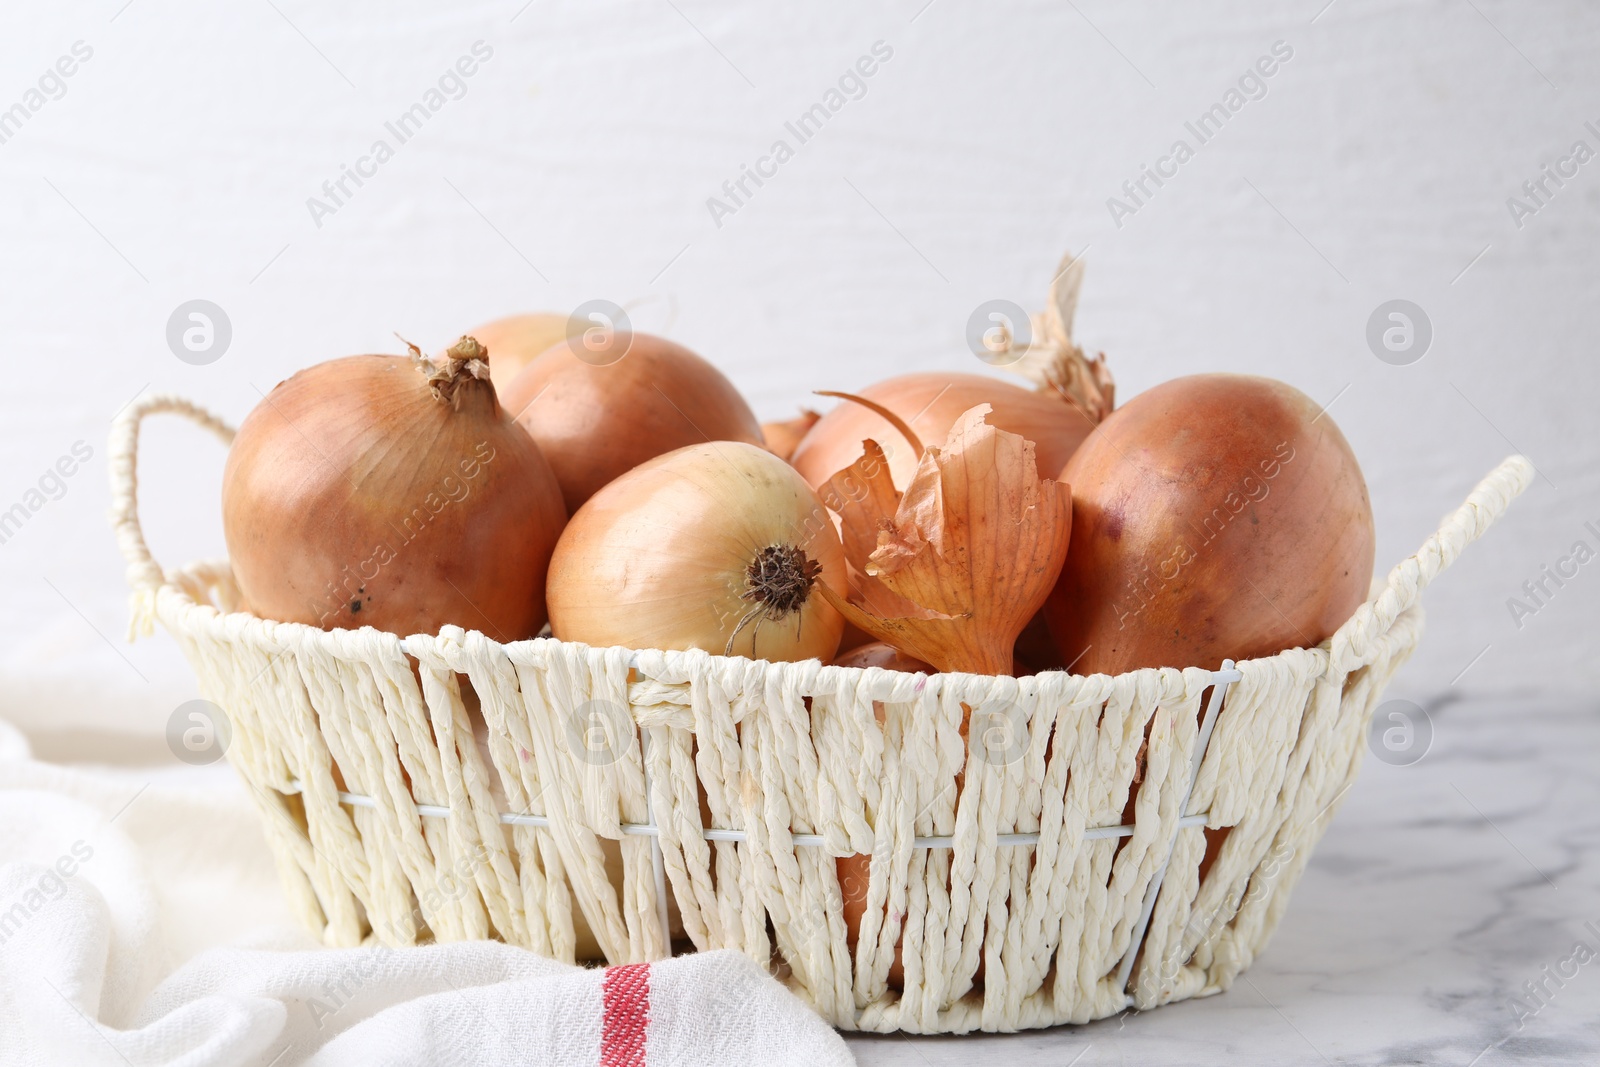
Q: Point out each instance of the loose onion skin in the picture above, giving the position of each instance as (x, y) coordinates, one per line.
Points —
(516, 340)
(596, 421)
(931, 403)
(716, 546)
(354, 496)
(782, 437)
(1214, 516)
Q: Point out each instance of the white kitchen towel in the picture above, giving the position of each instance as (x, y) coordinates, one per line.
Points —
(96, 964)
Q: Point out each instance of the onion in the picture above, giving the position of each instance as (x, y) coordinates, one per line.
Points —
(1214, 516)
(931, 404)
(631, 398)
(1073, 394)
(388, 491)
(514, 341)
(951, 570)
(718, 546)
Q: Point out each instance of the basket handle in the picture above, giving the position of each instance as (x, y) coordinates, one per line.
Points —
(1356, 642)
(145, 575)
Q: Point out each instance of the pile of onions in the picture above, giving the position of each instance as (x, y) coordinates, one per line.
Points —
(717, 546)
(1214, 516)
(391, 491)
(638, 397)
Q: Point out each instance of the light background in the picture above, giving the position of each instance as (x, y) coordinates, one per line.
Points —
(578, 163)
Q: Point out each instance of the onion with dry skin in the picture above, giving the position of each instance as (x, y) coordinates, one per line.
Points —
(390, 491)
(1073, 394)
(631, 398)
(951, 570)
(516, 340)
(930, 403)
(1214, 516)
(718, 546)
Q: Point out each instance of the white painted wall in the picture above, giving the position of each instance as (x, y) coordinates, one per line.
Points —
(178, 163)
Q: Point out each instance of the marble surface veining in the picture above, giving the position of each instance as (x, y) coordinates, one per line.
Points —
(1441, 891)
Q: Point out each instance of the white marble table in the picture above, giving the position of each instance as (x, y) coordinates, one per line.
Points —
(1440, 889)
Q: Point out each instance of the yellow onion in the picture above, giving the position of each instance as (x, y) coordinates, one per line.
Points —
(633, 398)
(1214, 516)
(718, 546)
(931, 403)
(1072, 394)
(390, 491)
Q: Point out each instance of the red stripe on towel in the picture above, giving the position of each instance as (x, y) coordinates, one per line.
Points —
(626, 994)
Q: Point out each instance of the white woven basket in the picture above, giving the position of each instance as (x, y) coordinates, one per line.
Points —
(389, 823)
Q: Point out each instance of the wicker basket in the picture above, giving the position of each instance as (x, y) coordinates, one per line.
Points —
(722, 789)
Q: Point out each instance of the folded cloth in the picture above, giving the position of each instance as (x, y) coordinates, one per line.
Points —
(90, 973)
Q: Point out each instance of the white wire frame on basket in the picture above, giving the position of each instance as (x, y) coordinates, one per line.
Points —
(1221, 680)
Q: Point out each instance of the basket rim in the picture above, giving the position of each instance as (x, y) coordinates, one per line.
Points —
(340, 641)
